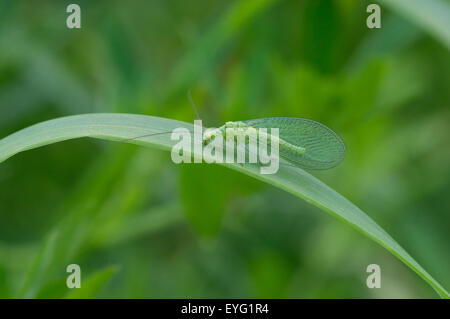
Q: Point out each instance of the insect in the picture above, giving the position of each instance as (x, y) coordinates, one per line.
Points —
(302, 142)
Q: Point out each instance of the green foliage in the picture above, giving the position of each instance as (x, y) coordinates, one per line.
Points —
(204, 194)
(432, 15)
(123, 127)
(92, 284)
(98, 204)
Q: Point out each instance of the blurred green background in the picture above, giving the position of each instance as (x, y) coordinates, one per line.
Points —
(141, 226)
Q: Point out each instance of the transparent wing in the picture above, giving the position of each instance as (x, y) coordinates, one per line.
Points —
(324, 148)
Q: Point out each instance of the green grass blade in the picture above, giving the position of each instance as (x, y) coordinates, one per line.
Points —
(38, 269)
(432, 15)
(120, 127)
(91, 286)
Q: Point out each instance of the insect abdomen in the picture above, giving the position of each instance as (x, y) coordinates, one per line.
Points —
(291, 148)
(285, 146)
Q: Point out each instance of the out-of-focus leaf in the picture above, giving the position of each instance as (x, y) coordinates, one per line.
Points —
(66, 240)
(155, 219)
(204, 192)
(4, 285)
(395, 34)
(92, 285)
(270, 274)
(431, 15)
(37, 271)
(210, 44)
(53, 290)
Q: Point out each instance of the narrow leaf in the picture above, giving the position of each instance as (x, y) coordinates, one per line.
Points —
(125, 127)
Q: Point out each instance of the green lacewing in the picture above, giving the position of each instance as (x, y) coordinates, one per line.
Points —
(303, 143)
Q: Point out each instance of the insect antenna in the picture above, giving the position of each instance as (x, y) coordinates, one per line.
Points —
(152, 134)
(193, 105)
(146, 135)
(160, 133)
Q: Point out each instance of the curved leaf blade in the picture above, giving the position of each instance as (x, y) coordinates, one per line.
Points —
(124, 127)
